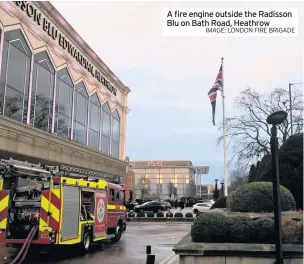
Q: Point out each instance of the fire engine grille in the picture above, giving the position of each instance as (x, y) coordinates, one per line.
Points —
(70, 214)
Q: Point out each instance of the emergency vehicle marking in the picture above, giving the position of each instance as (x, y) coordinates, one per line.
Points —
(53, 206)
(100, 210)
(4, 199)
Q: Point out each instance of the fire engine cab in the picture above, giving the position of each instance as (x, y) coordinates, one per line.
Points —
(58, 205)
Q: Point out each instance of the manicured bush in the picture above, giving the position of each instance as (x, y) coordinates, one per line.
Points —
(131, 214)
(178, 214)
(217, 228)
(241, 229)
(210, 227)
(188, 214)
(264, 231)
(141, 214)
(150, 214)
(257, 197)
(292, 231)
(290, 167)
(169, 214)
(220, 203)
(160, 214)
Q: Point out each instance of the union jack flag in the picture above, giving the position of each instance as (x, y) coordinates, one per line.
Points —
(217, 86)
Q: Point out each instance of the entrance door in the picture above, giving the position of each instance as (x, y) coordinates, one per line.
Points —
(100, 227)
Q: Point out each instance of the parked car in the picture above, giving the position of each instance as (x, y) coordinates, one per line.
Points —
(130, 206)
(200, 207)
(166, 204)
(150, 206)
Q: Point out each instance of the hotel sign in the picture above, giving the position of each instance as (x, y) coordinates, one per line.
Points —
(155, 164)
(64, 43)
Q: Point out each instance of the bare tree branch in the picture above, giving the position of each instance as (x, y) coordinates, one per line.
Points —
(249, 133)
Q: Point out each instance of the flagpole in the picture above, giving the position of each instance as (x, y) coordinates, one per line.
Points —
(224, 134)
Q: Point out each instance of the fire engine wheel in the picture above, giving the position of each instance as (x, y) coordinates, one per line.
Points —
(118, 233)
(86, 242)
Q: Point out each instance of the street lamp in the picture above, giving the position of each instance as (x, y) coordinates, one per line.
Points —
(275, 119)
(290, 105)
(215, 194)
(222, 189)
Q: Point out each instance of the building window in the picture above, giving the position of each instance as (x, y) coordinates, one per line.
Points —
(94, 124)
(64, 104)
(15, 76)
(42, 92)
(81, 113)
(115, 134)
(106, 128)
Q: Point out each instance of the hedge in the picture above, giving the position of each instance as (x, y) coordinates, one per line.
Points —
(131, 214)
(257, 197)
(178, 214)
(188, 214)
(290, 167)
(220, 203)
(141, 214)
(160, 214)
(149, 214)
(217, 228)
(210, 227)
(169, 214)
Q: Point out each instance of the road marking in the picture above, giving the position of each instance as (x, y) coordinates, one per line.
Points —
(170, 259)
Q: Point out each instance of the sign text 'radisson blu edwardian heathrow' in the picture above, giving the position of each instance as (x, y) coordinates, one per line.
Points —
(64, 43)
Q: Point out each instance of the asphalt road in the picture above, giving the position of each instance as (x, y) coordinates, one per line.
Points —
(130, 250)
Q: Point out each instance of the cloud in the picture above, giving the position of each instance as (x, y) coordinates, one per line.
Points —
(169, 77)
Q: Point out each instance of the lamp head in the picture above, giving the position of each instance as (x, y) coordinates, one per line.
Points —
(277, 117)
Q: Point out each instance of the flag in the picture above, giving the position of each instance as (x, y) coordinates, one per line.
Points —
(217, 86)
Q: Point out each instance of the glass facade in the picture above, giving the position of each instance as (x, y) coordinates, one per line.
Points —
(53, 102)
(163, 182)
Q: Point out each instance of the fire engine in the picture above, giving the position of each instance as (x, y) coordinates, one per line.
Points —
(58, 205)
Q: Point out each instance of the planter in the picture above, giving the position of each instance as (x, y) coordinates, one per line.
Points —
(161, 219)
(233, 253)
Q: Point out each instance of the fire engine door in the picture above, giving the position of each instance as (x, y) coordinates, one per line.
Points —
(100, 227)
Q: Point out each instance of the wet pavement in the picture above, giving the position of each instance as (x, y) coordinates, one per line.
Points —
(130, 250)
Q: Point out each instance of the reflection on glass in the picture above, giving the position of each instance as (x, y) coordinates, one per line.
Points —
(42, 92)
(81, 113)
(115, 134)
(15, 73)
(106, 128)
(63, 110)
(94, 126)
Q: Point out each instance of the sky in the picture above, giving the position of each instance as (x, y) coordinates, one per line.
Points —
(169, 77)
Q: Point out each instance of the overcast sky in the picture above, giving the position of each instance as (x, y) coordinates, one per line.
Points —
(169, 77)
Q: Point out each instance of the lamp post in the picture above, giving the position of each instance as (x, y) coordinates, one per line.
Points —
(290, 106)
(215, 195)
(222, 189)
(275, 119)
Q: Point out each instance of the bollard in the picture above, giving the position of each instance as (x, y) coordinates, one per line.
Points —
(148, 250)
(150, 259)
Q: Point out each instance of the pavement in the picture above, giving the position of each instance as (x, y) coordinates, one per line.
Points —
(131, 249)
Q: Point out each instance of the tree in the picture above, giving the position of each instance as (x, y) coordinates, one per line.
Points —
(252, 174)
(249, 133)
(290, 167)
(238, 176)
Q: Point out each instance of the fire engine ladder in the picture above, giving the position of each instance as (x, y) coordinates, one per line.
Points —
(74, 172)
(15, 168)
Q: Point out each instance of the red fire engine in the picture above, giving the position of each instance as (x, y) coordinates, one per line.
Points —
(58, 205)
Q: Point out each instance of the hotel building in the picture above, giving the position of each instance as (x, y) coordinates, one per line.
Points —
(165, 179)
(59, 102)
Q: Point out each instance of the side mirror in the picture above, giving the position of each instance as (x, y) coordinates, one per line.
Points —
(124, 197)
